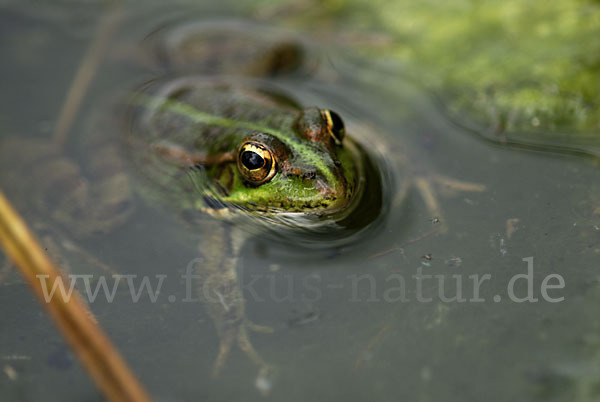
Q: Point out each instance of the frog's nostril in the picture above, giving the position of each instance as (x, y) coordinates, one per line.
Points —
(324, 189)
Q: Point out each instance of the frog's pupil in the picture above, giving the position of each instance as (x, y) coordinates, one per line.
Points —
(252, 160)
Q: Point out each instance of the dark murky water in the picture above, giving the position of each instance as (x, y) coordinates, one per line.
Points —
(351, 323)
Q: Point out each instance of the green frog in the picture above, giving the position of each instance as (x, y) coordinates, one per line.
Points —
(238, 155)
(255, 160)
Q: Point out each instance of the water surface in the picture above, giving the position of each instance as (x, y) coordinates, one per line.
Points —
(343, 328)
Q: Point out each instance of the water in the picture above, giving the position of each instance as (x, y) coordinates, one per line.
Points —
(346, 326)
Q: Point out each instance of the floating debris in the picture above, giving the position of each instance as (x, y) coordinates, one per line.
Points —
(498, 242)
(503, 249)
(406, 243)
(16, 357)
(10, 372)
(511, 227)
(367, 353)
(264, 381)
(303, 318)
(453, 262)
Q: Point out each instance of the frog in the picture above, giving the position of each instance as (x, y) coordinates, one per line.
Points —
(256, 157)
(232, 153)
(249, 157)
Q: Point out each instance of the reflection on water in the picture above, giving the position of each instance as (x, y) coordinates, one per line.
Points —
(408, 312)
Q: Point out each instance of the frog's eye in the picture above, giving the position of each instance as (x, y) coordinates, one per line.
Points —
(335, 125)
(256, 162)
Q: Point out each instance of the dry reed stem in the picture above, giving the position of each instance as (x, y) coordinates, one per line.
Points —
(91, 345)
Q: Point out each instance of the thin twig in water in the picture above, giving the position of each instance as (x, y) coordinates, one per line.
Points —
(86, 71)
(71, 316)
(376, 340)
(406, 243)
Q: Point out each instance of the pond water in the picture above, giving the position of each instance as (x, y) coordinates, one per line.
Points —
(351, 322)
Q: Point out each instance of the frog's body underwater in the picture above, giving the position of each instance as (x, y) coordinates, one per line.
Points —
(231, 150)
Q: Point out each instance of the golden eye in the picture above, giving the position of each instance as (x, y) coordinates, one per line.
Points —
(335, 125)
(256, 162)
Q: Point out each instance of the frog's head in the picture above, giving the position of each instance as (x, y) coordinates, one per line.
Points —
(304, 165)
(248, 149)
